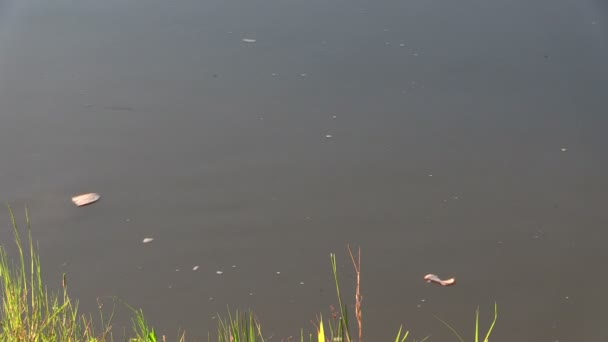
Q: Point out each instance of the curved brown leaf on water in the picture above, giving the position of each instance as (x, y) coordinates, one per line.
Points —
(432, 278)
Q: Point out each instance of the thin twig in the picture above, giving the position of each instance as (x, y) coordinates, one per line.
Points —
(358, 297)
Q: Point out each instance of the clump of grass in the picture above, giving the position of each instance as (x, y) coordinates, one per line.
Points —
(32, 313)
(490, 329)
(242, 327)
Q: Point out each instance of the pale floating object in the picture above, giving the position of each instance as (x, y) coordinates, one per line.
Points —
(432, 278)
(195, 268)
(278, 273)
(86, 199)
(564, 149)
(219, 272)
(249, 40)
(301, 283)
(148, 240)
(328, 136)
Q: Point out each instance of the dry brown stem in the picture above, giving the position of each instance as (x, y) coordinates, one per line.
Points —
(358, 297)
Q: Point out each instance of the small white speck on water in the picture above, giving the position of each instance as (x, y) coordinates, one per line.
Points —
(273, 74)
(567, 297)
(170, 286)
(233, 266)
(177, 270)
(211, 299)
(430, 175)
(423, 300)
(249, 40)
(328, 136)
(301, 283)
(195, 268)
(147, 240)
(402, 45)
(128, 220)
(334, 116)
(218, 272)
(563, 149)
(251, 293)
(303, 74)
(278, 273)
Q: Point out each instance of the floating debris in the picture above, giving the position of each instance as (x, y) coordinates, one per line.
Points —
(304, 75)
(328, 136)
(195, 268)
(249, 40)
(278, 273)
(432, 278)
(233, 266)
(563, 149)
(86, 199)
(218, 272)
(148, 240)
(301, 283)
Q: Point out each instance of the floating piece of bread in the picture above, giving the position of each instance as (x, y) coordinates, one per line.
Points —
(86, 199)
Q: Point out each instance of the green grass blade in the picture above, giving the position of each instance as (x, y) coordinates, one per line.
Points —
(493, 323)
(451, 328)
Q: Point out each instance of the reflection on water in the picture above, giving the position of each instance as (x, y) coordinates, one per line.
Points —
(249, 140)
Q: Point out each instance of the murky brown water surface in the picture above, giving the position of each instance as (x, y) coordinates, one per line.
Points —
(464, 138)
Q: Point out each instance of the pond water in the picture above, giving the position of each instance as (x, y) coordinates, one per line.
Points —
(466, 139)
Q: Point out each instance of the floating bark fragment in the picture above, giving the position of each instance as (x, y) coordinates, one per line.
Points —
(432, 278)
(86, 199)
